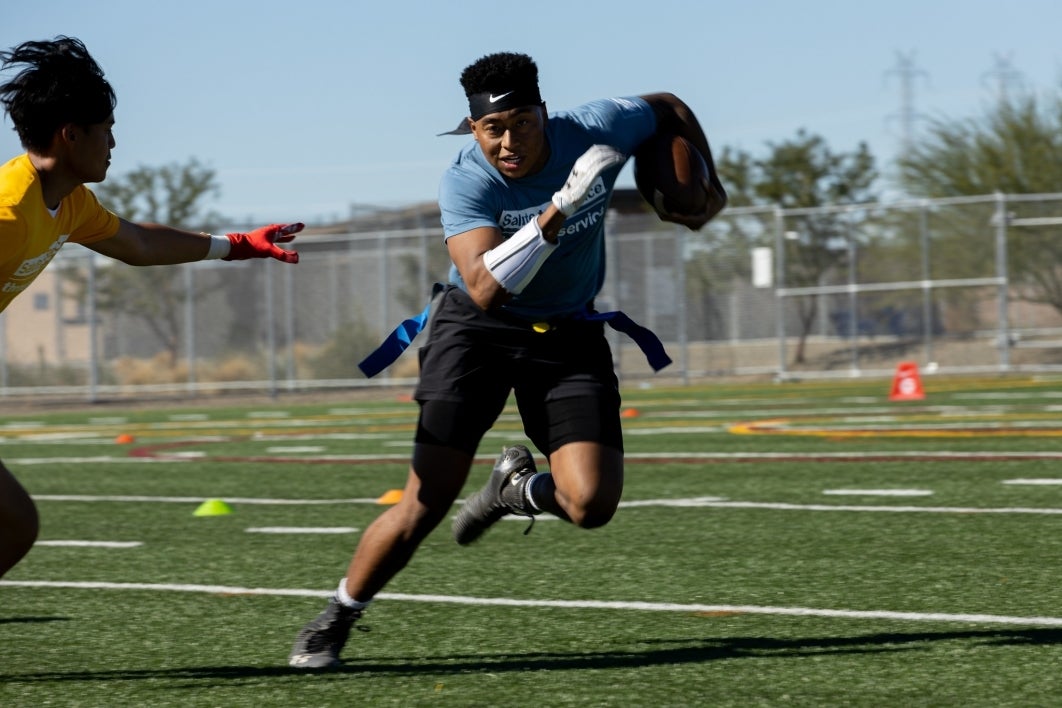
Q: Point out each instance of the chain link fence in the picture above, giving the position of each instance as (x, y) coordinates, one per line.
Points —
(957, 285)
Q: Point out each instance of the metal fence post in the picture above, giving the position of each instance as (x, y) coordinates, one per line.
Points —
(680, 297)
(94, 359)
(3, 354)
(1001, 273)
(60, 333)
(424, 242)
(853, 302)
(385, 283)
(779, 285)
(189, 323)
(271, 328)
(289, 324)
(927, 283)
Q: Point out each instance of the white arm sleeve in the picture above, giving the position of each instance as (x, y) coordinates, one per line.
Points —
(516, 261)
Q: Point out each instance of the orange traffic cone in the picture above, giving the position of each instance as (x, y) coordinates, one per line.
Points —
(907, 384)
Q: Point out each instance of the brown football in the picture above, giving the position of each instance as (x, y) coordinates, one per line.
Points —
(670, 173)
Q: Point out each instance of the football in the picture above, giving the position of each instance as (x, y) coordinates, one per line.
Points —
(669, 173)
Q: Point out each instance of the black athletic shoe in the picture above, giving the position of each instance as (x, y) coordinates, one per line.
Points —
(318, 644)
(503, 494)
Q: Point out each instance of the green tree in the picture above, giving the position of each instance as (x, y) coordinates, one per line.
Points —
(801, 174)
(171, 195)
(1015, 147)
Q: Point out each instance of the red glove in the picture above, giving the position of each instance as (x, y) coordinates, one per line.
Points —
(261, 243)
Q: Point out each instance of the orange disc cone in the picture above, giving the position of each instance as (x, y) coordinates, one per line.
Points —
(630, 413)
(907, 384)
(124, 439)
(391, 496)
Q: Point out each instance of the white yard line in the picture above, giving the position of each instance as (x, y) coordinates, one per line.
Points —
(301, 529)
(80, 544)
(103, 459)
(713, 502)
(878, 492)
(193, 500)
(778, 506)
(563, 604)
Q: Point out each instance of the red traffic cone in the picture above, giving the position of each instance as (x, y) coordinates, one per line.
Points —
(907, 384)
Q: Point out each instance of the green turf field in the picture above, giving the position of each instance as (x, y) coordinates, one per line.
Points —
(801, 544)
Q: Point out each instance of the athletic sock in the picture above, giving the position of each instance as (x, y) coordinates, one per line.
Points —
(344, 598)
(531, 489)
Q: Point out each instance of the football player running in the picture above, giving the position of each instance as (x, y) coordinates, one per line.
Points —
(62, 108)
(523, 211)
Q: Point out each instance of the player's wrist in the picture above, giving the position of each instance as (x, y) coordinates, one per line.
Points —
(564, 204)
(220, 247)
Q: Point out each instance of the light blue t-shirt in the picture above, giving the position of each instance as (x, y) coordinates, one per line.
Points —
(474, 194)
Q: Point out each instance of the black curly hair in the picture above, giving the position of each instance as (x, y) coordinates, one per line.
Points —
(60, 84)
(502, 71)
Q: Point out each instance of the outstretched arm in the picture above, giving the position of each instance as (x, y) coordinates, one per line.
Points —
(155, 244)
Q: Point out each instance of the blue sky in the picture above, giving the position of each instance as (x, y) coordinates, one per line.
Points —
(305, 108)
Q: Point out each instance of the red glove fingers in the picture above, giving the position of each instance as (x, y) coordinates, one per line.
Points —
(261, 243)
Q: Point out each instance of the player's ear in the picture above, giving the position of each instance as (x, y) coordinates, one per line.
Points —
(66, 133)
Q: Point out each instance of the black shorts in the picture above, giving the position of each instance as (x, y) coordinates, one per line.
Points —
(564, 380)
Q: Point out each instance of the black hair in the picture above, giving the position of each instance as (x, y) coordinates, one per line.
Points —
(503, 71)
(60, 84)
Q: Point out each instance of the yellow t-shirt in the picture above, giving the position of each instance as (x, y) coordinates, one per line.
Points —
(30, 235)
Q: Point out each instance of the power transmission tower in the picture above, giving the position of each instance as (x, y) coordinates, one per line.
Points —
(908, 72)
(1003, 78)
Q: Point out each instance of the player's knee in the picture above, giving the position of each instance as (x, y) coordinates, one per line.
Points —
(417, 520)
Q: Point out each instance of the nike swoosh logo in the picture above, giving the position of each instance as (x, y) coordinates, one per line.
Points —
(495, 99)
